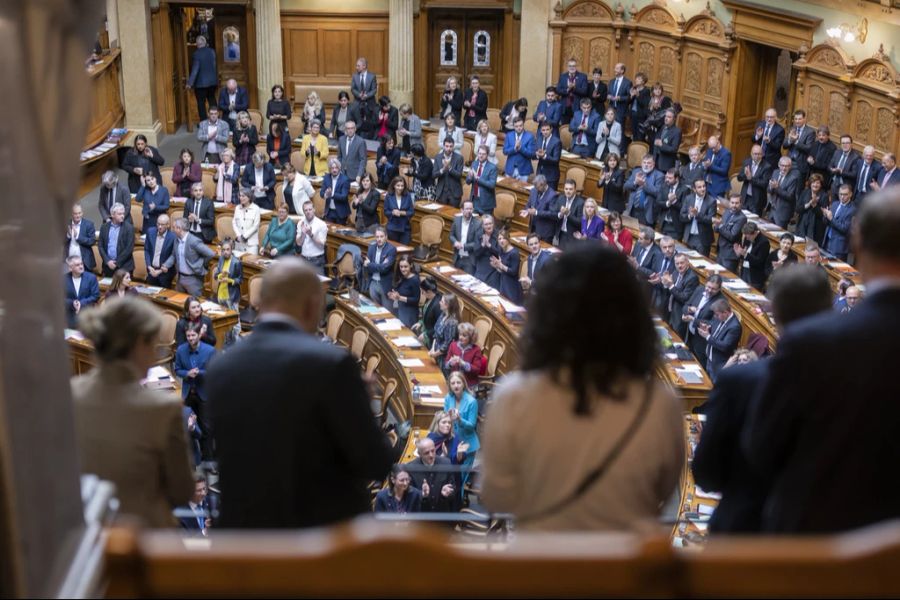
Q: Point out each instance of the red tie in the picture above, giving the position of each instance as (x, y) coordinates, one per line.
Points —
(477, 177)
(472, 104)
(583, 134)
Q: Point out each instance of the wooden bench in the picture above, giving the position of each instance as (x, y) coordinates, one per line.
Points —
(327, 93)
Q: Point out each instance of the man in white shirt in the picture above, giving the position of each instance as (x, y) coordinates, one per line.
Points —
(213, 133)
(80, 238)
(311, 234)
(82, 289)
(463, 236)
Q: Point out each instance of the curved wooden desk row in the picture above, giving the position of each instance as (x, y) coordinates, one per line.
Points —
(691, 526)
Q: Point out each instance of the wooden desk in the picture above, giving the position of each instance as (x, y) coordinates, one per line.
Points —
(81, 355)
(689, 530)
(674, 371)
(421, 411)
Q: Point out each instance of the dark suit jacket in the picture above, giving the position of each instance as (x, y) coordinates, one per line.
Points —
(482, 255)
(825, 434)
(536, 264)
(284, 149)
(203, 68)
(800, 149)
(385, 267)
(448, 183)
(652, 184)
(370, 89)
(669, 217)
(455, 103)
(185, 361)
(88, 294)
(893, 179)
(721, 344)
(573, 219)
(772, 149)
(704, 217)
(309, 401)
(729, 234)
(87, 237)
(546, 217)
(353, 163)
(479, 108)
(150, 164)
(549, 165)
(719, 462)
(613, 195)
(690, 173)
(785, 196)
(623, 91)
(837, 234)
(660, 295)
(754, 191)
(124, 246)
(341, 193)
(207, 218)
(166, 255)
(850, 169)
(437, 478)
(753, 265)
(578, 92)
(717, 174)
(872, 174)
(241, 101)
(667, 153)
(106, 200)
(597, 94)
(248, 180)
(652, 259)
(695, 340)
(679, 295)
(822, 155)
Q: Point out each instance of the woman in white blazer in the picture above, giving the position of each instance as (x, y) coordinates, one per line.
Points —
(246, 224)
(297, 189)
(609, 135)
(484, 137)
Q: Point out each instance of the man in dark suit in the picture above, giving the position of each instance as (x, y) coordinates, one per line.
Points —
(571, 87)
(660, 297)
(199, 521)
(680, 286)
(201, 214)
(620, 93)
(826, 435)
(569, 209)
(720, 464)
(643, 188)
(718, 165)
(539, 192)
(309, 400)
(697, 212)
(697, 311)
(729, 227)
(597, 91)
(116, 243)
(868, 172)
(799, 143)
(665, 146)
(583, 128)
(820, 155)
(548, 150)
(784, 186)
(80, 238)
(335, 192)
(770, 136)
(669, 201)
(112, 191)
(840, 221)
(159, 253)
(432, 475)
(486, 246)
(233, 99)
(722, 337)
(464, 234)
(82, 289)
(259, 178)
(448, 168)
(543, 211)
(844, 165)
(352, 153)
(694, 169)
(754, 177)
(192, 360)
(890, 174)
(379, 266)
(537, 258)
(482, 177)
(363, 84)
(204, 77)
(475, 103)
(753, 254)
(646, 256)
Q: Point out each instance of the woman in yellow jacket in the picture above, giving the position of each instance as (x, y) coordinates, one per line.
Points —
(315, 151)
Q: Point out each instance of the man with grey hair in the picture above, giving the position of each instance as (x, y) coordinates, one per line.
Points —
(233, 99)
(200, 214)
(204, 76)
(313, 395)
(159, 253)
(116, 243)
(827, 436)
(81, 288)
(113, 191)
(868, 172)
(783, 189)
(191, 256)
(352, 153)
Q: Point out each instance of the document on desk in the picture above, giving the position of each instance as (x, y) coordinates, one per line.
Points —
(371, 309)
(701, 493)
(211, 306)
(407, 342)
(390, 325)
(736, 285)
(446, 269)
(430, 390)
(411, 363)
(690, 373)
(510, 307)
(432, 206)
(753, 297)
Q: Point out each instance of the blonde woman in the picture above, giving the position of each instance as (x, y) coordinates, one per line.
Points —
(227, 176)
(246, 224)
(484, 137)
(315, 150)
(452, 100)
(297, 189)
(312, 110)
(591, 224)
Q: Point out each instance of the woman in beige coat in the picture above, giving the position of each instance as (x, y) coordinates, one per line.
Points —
(127, 434)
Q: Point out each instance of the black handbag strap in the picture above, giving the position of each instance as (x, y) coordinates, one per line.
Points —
(597, 473)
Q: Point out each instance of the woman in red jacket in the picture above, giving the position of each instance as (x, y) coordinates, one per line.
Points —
(464, 355)
(617, 235)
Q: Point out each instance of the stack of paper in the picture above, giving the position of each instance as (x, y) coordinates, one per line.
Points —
(407, 342)
(446, 269)
(432, 206)
(510, 307)
(390, 325)
(410, 363)
(690, 373)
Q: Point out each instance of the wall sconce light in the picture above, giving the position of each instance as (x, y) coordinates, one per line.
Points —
(850, 34)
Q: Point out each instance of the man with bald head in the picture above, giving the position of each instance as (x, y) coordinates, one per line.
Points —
(770, 136)
(431, 474)
(296, 440)
(717, 164)
(232, 100)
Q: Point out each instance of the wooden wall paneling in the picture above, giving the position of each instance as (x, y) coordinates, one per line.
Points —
(591, 32)
(823, 88)
(164, 66)
(876, 104)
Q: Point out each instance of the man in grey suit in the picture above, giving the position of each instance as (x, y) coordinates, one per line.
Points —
(352, 153)
(799, 144)
(191, 256)
(113, 191)
(730, 226)
(363, 85)
(448, 168)
(464, 233)
(783, 189)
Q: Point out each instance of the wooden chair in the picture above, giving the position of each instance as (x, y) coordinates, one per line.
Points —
(97, 260)
(493, 359)
(501, 160)
(257, 119)
(248, 315)
(636, 151)
(432, 145)
(565, 137)
(319, 204)
(343, 273)
(279, 194)
(372, 169)
(506, 206)
(295, 128)
(333, 325)
(165, 347)
(431, 232)
(263, 228)
(735, 184)
(379, 405)
(372, 363)
(137, 218)
(578, 174)
(225, 227)
(483, 326)
(493, 118)
(532, 126)
(358, 342)
(209, 185)
(166, 175)
(298, 160)
(140, 264)
(468, 151)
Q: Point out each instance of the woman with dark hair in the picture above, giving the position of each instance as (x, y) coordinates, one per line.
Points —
(782, 256)
(420, 169)
(120, 286)
(511, 110)
(366, 204)
(140, 160)
(186, 173)
(193, 315)
(278, 109)
(387, 161)
(405, 293)
(388, 118)
(339, 116)
(445, 328)
(582, 437)
(617, 236)
(278, 144)
(811, 206)
(639, 105)
(399, 496)
(431, 311)
(399, 207)
(656, 110)
(612, 182)
(507, 266)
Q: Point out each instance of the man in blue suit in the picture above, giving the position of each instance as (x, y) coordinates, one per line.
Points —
(643, 186)
(545, 215)
(717, 164)
(82, 289)
(519, 150)
(537, 258)
(335, 191)
(204, 77)
(191, 361)
(80, 238)
(769, 136)
(549, 110)
(548, 152)
(722, 337)
(159, 253)
(584, 130)
(483, 178)
(541, 196)
(571, 88)
(233, 99)
(620, 93)
(840, 221)
(379, 266)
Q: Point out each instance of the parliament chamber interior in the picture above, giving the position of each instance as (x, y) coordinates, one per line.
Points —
(406, 297)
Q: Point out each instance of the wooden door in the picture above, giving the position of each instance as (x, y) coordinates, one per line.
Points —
(181, 97)
(466, 43)
(755, 92)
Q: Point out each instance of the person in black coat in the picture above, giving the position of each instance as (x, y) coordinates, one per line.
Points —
(405, 293)
(597, 91)
(697, 311)
(309, 400)
(141, 160)
(612, 183)
(200, 213)
(475, 103)
(431, 311)
(421, 169)
(511, 110)
(192, 314)
(753, 255)
(452, 100)
(811, 206)
(387, 161)
(388, 119)
(366, 204)
(681, 286)
(720, 464)
(506, 263)
(124, 247)
(431, 475)
(822, 152)
(754, 176)
(639, 106)
(486, 248)
(668, 204)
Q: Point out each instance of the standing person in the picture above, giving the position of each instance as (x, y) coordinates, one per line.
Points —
(445, 329)
(366, 201)
(278, 145)
(191, 256)
(511, 110)
(405, 293)
(447, 169)
(112, 191)
(227, 177)
(159, 253)
(667, 142)
(483, 178)
(612, 182)
(410, 129)
(192, 316)
(387, 161)
(315, 151)
(227, 276)
(548, 110)
(753, 253)
(475, 103)
(185, 173)
(784, 186)
(840, 217)
(439, 486)
(232, 100)
(431, 311)
(204, 76)
(697, 212)
(541, 201)
(267, 477)
(399, 208)
(80, 238)
(313, 110)
(597, 91)
(506, 264)
(200, 214)
(754, 177)
(571, 88)
(246, 224)
(462, 407)
(643, 188)
(140, 160)
(378, 265)
(729, 227)
(548, 151)
(620, 93)
(277, 108)
(811, 206)
(213, 136)
(583, 127)
(609, 136)
(452, 100)
(312, 233)
(465, 233)
(484, 137)
(121, 428)
(279, 238)
(116, 243)
(569, 209)
(339, 116)
(577, 398)
(191, 363)
(352, 153)
(154, 198)
(591, 223)
(616, 234)
(259, 180)
(799, 144)
(722, 336)
(297, 189)
(245, 137)
(81, 288)
(363, 84)
(769, 135)
(519, 148)
(420, 171)
(717, 164)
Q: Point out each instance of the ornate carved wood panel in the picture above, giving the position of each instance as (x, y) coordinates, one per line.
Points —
(590, 34)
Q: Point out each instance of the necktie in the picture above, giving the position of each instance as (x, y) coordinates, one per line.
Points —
(643, 256)
(887, 177)
(863, 177)
(477, 177)
(672, 298)
(618, 85)
(363, 80)
(665, 266)
(842, 161)
(112, 198)
(544, 144)
(347, 151)
(583, 135)
(196, 212)
(753, 169)
(766, 133)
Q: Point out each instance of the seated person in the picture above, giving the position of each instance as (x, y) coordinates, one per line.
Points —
(193, 315)
(120, 286)
(399, 497)
(201, 521)
(191, 362)
(447, 444)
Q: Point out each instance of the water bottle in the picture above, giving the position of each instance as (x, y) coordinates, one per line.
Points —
(416, 393)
